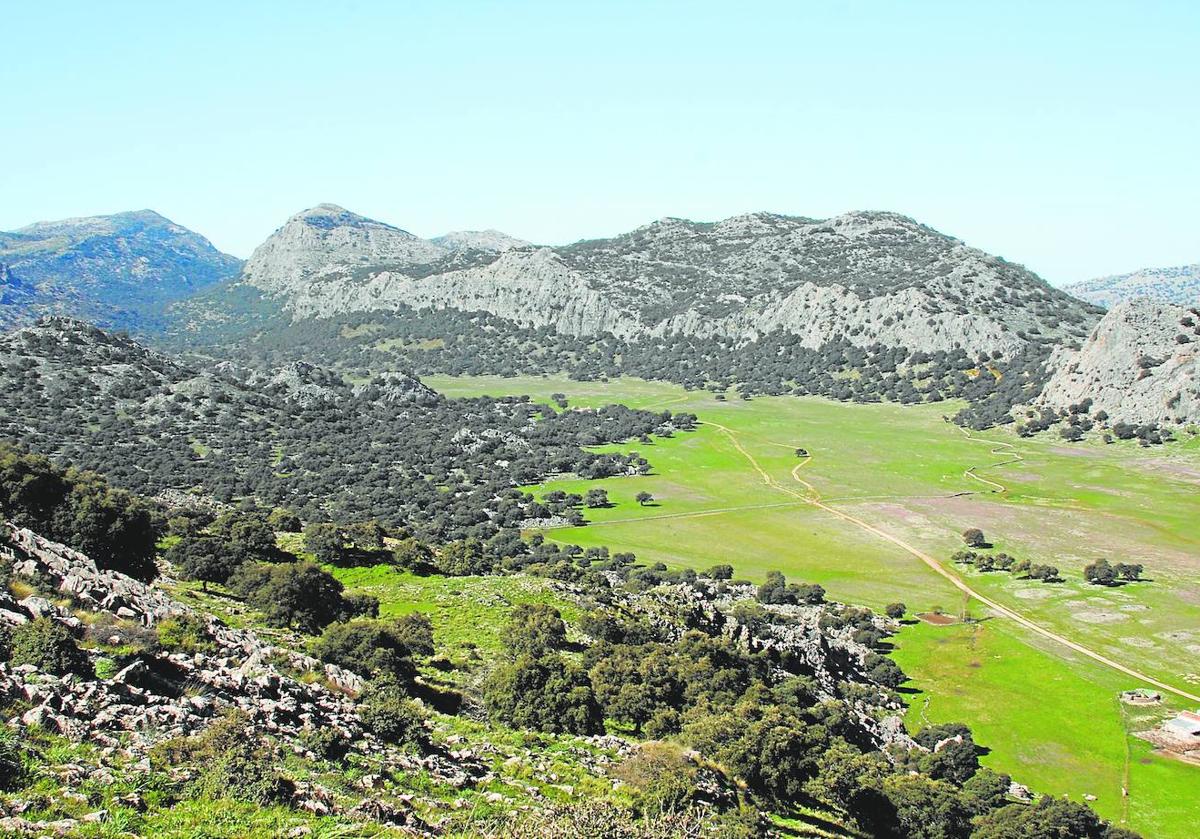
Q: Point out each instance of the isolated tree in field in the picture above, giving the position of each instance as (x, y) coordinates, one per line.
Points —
(643, 498)
(973, 537)
(896, 611)
(1129, 571)
(1100, 573)
(596, 498)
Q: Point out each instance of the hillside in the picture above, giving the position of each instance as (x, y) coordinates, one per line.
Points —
(296, 435)
(874, 278)
(1139, 365)
(119, 270)
(1180, 285)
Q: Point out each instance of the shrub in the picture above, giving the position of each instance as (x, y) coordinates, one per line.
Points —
(535, 629)
(235, 762)
(49, 646)
(388, 713)
(327, 743)
(544, 694)
(185, 633)
(291, 594)
(12, 764)
(368, 647)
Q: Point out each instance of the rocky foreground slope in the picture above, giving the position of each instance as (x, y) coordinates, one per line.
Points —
(870, 278)
(1139, 365)
(1180, 284)
(117, 270)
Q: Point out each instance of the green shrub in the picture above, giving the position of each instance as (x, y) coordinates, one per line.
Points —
(49, 646)
(185, 633)
(106, 668)
(544, 694)
(12, 764)
(368, 647)
(328, 743)
(235, 763)
(388, 713)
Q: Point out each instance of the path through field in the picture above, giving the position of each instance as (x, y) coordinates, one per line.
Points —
(811, 496)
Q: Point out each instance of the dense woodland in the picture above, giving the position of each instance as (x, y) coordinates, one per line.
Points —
(447, 341)
(388, 449)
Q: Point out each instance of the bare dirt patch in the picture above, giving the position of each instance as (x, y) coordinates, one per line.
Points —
(1098, 617)
(936, 619)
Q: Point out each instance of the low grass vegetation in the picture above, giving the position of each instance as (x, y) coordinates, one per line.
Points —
(1048, 715)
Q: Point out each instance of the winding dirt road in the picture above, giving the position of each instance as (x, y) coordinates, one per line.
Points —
(811, 496)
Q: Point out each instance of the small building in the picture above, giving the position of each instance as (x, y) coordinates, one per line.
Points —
(1141, 696)
(1184, 727)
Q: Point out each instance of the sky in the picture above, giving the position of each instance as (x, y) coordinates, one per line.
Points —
(1061, 135)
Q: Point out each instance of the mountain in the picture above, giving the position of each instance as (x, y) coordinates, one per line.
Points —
(866, 277)
(118, 270)
(1180, 285)
(299, 434)
(479, 240)
(327, 238)
(1139, 365)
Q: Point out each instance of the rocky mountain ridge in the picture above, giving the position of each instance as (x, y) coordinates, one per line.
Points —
(1179, 284)
(1140, 365)
(871, 277)
(119, 270)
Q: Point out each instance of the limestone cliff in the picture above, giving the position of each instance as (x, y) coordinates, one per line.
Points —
(1139, 365)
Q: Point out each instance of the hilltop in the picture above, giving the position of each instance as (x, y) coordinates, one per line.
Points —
(874, 278)
(120, 270)
(1180, 285)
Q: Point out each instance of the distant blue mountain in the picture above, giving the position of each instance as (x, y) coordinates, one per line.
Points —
(121, 270)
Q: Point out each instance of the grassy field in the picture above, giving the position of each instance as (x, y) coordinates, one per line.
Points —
(1048, 714)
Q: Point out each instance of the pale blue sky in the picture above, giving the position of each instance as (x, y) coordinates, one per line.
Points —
(1062, 135)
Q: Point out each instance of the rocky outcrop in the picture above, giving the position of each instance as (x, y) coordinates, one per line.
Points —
(479, 240)
(1139, 365)
(119, 270)
(865, 277)
(1180, 285)
(139, 704)
(829, 656)
(329, 238)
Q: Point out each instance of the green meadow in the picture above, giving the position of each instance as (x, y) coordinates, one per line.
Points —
(1049, 716)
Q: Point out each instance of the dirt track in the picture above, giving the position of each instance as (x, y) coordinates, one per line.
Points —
(812, 496)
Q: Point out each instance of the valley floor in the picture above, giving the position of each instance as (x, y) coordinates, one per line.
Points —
(1037, 676)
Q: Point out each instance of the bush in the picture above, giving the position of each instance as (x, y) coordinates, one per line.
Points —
(186, 633)
(235, 763)
(12, 764)
(368, 647)
(49, 646)
(535, 629)
(291, 594)
(544, 694)
(327, 743)
(388, 713)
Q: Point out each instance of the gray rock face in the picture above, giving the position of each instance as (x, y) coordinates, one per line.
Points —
(241, 671)
(121, 270)
(865, 277)
(479, 240)
(1139, 365)
(329, 238)
(1180, 285)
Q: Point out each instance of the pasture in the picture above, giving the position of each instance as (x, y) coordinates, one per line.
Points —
(735, 491)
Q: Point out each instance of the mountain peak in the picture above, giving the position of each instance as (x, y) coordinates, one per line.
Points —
(329, 239)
